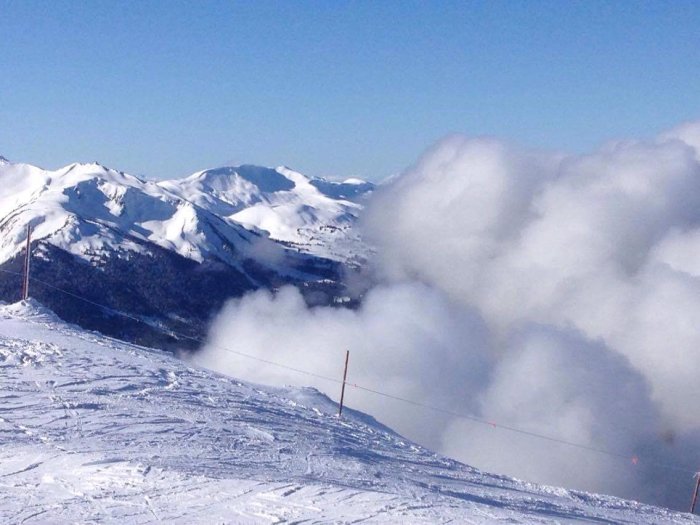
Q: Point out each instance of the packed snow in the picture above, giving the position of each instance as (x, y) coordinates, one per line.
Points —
(97, 430)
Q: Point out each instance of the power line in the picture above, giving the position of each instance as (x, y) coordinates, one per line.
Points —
(634, 458)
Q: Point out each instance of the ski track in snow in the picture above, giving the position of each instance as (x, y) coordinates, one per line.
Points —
(96, 430)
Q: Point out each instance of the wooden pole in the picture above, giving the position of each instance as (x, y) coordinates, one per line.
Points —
(27, 256)
(695, 493)
(345, 376)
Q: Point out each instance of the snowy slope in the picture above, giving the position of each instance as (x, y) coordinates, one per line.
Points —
(96, 430)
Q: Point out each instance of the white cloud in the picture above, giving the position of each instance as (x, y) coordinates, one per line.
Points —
(406, 339)
(559, 383)
(558, 293)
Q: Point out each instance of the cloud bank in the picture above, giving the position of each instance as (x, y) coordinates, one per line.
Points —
(555, 293)
(404, 339)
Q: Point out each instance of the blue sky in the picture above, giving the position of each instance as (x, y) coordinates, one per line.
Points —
(333, 88)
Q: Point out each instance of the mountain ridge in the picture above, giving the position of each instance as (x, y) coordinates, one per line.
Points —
(241, 195)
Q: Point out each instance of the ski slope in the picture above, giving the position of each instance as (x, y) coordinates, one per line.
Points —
(97, 430)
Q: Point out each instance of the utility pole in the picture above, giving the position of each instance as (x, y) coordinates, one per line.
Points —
(27, 256)
(345, 376)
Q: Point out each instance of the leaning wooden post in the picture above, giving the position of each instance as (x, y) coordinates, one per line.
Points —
(27, 256)
(345, 376)
(695, 493)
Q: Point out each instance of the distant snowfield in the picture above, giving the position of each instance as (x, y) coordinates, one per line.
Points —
(96, 430)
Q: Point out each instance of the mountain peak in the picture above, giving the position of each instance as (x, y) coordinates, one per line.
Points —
(268, 180)
(91, 165)
(3, 160)
(100, 171)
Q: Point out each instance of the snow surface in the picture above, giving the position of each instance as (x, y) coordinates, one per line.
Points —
(96, 430)
(88, 210)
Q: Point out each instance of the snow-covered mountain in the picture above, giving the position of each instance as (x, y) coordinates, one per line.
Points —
(96, 430)
(314, 215)
(88, 209)
(180, 247)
